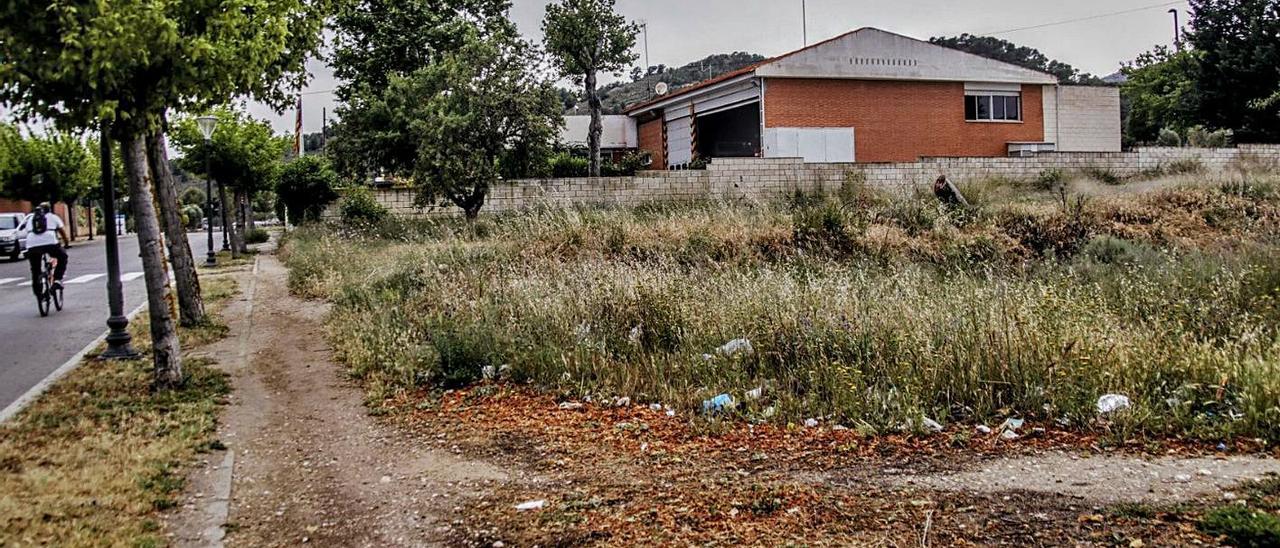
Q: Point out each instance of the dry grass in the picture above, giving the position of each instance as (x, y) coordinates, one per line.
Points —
(93, 460)
(863, 309)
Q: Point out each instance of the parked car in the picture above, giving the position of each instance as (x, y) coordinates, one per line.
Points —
(12, 237)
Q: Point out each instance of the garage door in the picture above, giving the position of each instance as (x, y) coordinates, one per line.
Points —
(815, 145)
(680, 141)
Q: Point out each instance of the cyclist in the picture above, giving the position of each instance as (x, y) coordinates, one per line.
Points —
(44, 230)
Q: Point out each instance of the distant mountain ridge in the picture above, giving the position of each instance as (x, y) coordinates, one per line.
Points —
(619, 95)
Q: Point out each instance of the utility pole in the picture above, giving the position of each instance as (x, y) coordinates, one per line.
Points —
(804, 21)
(1177, 30)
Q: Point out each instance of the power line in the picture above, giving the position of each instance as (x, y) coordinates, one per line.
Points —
(1089, 18)
(318, 92)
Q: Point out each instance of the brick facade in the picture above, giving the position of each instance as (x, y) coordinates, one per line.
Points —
(650, 136)
(899, 121)
(746, 179)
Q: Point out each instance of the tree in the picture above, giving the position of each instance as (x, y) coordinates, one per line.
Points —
(306, 188)
(585, 38)
(1008, 52)
(81, 62)
(1238, 47)
(377, 40)
(1160, 92)
(56, 167)
(243, 155)
(475, 115)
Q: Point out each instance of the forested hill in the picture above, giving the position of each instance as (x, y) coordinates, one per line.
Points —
(619, 95)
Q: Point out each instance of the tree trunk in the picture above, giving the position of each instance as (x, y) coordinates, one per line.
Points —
(190, 301)
(596, 128)
(71, 213)
(238, 237)
(164, 336)
(227, 226)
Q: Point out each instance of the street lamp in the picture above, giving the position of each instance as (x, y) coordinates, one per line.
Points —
(207, 125)
(119, 341)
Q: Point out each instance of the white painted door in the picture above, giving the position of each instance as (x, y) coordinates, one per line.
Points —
(814, 145)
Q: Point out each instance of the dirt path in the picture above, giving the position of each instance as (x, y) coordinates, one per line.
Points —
(309, 464)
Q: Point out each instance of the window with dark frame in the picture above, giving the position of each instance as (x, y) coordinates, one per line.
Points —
(991, 107)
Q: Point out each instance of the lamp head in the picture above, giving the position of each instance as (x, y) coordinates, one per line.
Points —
(207, 125)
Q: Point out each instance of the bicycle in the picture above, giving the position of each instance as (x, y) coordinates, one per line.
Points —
(49, 294)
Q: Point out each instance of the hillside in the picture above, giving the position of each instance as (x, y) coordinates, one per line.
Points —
(618, 95)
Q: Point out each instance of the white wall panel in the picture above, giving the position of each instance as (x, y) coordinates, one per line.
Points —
(815, 145)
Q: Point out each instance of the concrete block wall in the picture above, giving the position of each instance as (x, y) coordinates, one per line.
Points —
(762, 179)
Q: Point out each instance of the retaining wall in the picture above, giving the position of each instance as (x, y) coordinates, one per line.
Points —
(733, 179)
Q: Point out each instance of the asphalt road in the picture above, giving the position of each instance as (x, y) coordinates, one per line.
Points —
(32, 347)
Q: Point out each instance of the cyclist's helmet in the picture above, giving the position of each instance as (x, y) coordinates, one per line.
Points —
(45, 207)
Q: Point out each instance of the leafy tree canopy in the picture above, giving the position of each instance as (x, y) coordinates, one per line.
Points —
(1160, 92)
(588, 36)
(1238, 42)
(378, 39)
(306, 186)
(475, 115)
(79, 61)
(57, 167)
(1008, 52)
(243, 154)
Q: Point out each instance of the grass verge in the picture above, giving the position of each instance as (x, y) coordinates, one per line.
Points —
(93, 460)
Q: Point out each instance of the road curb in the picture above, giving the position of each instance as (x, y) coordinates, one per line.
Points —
(70, 365)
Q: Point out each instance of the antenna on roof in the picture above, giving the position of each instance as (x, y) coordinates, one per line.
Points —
(804, 21)
(662, 88)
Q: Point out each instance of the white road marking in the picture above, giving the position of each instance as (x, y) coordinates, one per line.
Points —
(127, 277)
(85, 279)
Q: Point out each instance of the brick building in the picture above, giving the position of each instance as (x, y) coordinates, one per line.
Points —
(872, 96)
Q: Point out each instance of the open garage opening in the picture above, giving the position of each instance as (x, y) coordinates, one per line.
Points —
(732, 133)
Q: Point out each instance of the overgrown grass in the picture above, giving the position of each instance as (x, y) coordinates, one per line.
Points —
(863, 309)
(93, 461)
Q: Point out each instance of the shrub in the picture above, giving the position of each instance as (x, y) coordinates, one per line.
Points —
(1184, 167)
(306, 188)
(1111, 250)
(192, 214)
(1169, 138)
(1050, 179)
(1243, 527)
(256, 236)
(630, 163)
(193, 196)
(821, 226)
(565, 164)
(359, 206)
(1103, 175)
(1201, 137)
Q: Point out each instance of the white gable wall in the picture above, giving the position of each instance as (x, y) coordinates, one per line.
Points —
(873, 54)
(1088, 119)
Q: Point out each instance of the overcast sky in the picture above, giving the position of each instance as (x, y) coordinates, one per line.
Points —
(681, 31)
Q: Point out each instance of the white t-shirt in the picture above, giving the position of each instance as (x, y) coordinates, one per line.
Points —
(50, 236)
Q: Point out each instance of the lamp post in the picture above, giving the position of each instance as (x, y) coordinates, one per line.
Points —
(1177, 30)
(207, 124)
(119, 341)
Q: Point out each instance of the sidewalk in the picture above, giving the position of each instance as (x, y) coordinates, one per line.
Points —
(304, 462)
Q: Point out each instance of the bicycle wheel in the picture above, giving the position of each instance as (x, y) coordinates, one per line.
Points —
(42, 300)
(57, 298)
